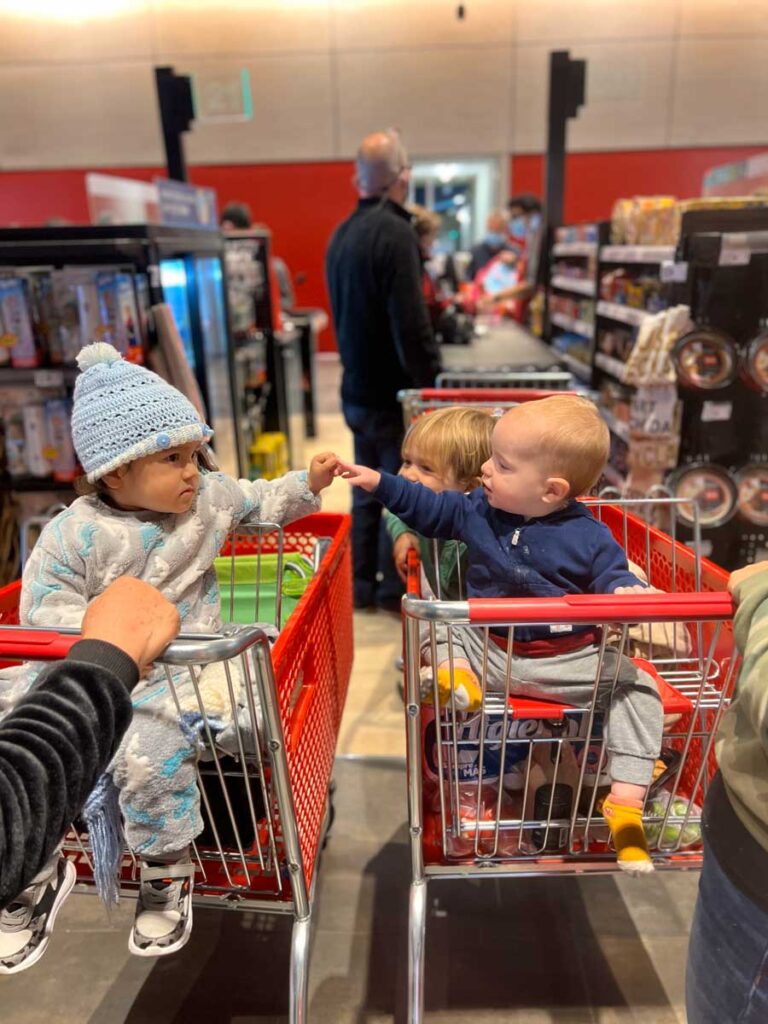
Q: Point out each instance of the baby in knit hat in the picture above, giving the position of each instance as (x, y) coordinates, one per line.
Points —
(151, 513)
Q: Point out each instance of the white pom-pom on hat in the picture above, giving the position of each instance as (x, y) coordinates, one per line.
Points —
(98, 352)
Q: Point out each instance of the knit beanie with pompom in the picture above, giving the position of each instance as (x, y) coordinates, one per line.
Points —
(122, 412)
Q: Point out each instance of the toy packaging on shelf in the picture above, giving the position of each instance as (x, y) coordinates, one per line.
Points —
(18, 337)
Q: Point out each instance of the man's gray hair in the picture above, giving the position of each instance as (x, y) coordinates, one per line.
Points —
(381, 159)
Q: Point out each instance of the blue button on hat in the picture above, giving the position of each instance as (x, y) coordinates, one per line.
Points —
(122, 412)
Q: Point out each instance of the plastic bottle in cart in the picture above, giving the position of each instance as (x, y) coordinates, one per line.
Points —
(60, 452)
(552, 802)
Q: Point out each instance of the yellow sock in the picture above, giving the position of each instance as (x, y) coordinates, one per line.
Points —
(466, 687)
(626, 825)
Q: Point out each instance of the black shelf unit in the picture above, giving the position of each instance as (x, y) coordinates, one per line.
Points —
(141, 249)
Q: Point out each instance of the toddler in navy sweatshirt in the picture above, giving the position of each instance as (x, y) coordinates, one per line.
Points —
(527, 536)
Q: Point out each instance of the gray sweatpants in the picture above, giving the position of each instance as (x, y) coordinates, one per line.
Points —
(634, 717)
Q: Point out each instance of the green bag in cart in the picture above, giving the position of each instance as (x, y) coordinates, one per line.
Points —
(297, 575)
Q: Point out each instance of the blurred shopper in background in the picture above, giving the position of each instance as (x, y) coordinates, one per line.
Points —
(426, 224)
(728, 955)
(494, 242)
(374, 273)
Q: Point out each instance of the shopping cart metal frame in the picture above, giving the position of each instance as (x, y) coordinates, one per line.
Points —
(276, 802)
(705, 678)
(532, 378)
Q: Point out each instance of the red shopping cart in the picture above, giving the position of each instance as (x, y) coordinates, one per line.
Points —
(266, 802)
(514, 786)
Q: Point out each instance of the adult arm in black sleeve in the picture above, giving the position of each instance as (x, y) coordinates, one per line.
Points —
(409, 321)
(54, 745)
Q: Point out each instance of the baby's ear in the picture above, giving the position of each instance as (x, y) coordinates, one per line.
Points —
(557, 490)
(114, 479)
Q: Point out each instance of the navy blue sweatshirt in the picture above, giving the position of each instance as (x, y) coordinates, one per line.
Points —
(566, 552)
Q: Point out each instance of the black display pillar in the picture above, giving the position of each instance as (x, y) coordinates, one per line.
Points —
(174, 95)
(566, 94)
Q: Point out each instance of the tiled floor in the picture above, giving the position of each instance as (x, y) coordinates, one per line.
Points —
(524, 951)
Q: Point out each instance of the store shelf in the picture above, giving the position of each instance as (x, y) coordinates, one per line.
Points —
(614, 477)
(39, 377)
(609, 365)
(625, 314)
(637, 253)
(31, 484)
(577, 368)
(571, 323)
(573, 284)
(574, 249)
(618, 427)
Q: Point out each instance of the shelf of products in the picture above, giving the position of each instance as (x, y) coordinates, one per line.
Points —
(570, 323)
(612, 366)
(574, 284)
(574, 249)
(619, 427)
(34, 484)
(626, 314)
(577, 367)
(650, 254)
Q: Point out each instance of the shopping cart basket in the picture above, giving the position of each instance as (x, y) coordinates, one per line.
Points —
(266, 800)
(513, 788)
(530, 377)
(417, 401)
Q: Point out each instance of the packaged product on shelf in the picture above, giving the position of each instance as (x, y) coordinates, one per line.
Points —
(129, 318)
(60, 453)
(5, 353)
(15, 449)
(45, 315)
(91, 328)
(65, 301)
(19, 336)
(620, 221)
(36, 440)
(111, 326)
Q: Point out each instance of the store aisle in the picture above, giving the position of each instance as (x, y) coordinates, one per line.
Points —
(523, 951)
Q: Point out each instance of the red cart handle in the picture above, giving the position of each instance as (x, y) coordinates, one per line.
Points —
(590, 608)
(486, 394)
(35, 645)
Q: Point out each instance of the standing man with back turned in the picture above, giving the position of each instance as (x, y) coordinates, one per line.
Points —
(385, 340)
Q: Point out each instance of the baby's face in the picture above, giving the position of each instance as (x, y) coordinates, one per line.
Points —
(419, 469)
(514, 478)
(164, 482)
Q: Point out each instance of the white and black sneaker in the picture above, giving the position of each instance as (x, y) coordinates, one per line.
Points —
(27, 923)
(163, 921)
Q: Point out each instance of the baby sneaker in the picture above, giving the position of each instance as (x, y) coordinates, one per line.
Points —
(27, 923)
(163, 921)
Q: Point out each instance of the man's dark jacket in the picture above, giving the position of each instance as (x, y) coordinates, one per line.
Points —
(382, 325)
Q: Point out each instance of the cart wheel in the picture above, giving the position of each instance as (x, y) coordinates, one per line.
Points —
(330, 814)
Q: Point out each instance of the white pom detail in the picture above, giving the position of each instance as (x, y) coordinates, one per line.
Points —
(98, 352)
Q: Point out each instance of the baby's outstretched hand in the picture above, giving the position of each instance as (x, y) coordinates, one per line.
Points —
(322, 470)
(359, 476)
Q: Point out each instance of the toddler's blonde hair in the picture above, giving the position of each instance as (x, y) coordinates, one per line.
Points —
(572, 440)
(456, 441)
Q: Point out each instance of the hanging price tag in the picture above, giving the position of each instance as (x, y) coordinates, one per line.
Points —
(674, 273)
(716, 412)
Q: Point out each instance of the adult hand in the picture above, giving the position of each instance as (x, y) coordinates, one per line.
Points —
(743, 574)
(322, 470)
(359, 476)
(405, 542)
(639, 588)
(133, 616)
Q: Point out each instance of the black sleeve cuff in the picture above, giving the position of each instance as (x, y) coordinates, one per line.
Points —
(106, 655)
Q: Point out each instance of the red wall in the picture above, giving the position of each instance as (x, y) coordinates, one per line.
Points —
(593, 181)
(302, 203)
